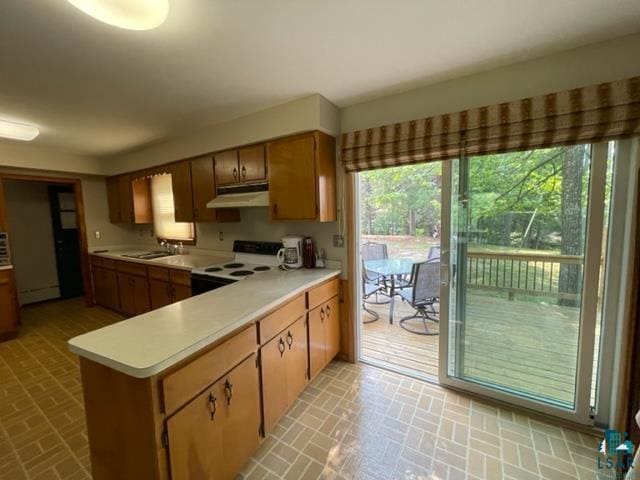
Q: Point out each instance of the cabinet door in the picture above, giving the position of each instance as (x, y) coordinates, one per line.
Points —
(110, 295)
(296, 359)
(141, 192)
(180, 292)
(252, 164)
(113, 199)
(182, 191)
(292, 178)
(226, 168)
(97, 275)
(274, 381)
(159, 293)
(196, 441)
(204, 189)
(127, 294)
(142, 302)
(9, 309)
(317, 340)
(125, 191)
(241, 424)
(333, 328)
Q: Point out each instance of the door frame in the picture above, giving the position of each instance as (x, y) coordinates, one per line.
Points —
(581, 413)
(80, 217)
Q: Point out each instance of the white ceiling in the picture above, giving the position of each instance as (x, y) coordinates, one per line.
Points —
(95, 89)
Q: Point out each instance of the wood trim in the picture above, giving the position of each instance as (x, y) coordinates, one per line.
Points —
(350, 297)
(76, 183)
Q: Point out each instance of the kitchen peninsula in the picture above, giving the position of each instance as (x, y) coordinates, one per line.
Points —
(191, 388)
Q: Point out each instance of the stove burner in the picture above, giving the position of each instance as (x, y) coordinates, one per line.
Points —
(234, 265)
(241, 273)
(213, 269)
(261, 268)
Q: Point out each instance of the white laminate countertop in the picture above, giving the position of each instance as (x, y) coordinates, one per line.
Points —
(184, 262)
(6, 267)
(148, 344)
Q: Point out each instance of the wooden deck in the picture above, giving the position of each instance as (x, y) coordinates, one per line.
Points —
(526, 346)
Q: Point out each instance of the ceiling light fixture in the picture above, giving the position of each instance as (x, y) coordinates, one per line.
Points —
(129, 14)
(18, 131)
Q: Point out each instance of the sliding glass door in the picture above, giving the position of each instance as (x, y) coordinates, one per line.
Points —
(521, 251)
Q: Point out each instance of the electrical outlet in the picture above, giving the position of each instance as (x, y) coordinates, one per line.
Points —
(98, 234)
(221, 236)
(338, 241)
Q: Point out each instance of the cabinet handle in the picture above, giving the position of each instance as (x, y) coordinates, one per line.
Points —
(281, 346)
(322, 314)
(228, 391)
(235, 173)
(289, 339)
(244, 172)
(328, 311)
(213, 405)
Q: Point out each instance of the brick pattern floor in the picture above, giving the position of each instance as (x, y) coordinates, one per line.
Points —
(352, 422)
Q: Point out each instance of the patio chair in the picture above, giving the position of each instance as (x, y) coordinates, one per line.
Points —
(373, 251)
(422, 293)
(370, 287)
(434, 253)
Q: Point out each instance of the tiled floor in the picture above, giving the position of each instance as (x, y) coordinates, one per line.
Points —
(353, 422)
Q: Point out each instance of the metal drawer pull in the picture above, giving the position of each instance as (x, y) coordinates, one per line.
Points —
(289, 339)
(328, 311)
(235, 173)
(212, 405)
(228, 391)
(244, 172)
(281, 346)
(322, 314)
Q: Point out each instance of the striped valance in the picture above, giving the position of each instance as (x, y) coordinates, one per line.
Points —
(582, 115)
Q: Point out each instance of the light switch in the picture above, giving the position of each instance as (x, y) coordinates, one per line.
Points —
(98, 234)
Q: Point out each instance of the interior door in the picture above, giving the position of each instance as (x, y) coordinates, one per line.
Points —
(516, 324)
(67, 240)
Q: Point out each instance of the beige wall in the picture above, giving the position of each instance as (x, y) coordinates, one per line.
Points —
(603, 62)
(32, 246)
(94, 191)
(310, 113)
(15, 154)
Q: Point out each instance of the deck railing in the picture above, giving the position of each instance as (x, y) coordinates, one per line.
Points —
(515, 273)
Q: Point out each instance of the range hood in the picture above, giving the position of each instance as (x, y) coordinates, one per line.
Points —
(238, 197)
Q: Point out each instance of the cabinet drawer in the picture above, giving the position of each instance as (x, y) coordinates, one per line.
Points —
(180, 277)
(184, 384)
(274, 323)
(103, 262)
(132, 268)
(159, 273)
(323, 293)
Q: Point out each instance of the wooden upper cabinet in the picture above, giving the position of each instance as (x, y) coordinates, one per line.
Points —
(129, 201)
(204, 190)
(252, 164)
(182, 191)
(226, 168)
(302, 177)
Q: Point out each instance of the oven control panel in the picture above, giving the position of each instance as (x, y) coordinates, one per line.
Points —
(5, 254)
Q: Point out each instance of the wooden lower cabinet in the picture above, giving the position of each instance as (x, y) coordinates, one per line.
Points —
(9, 309)
(105, 288)
(134, 294)
(324, 335)
(284, 371)
(159, 293)
(214, 435)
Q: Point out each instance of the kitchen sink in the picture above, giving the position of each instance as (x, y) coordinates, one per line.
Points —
(151, 255)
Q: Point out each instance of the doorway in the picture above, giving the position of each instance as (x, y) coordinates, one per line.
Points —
(44, 217)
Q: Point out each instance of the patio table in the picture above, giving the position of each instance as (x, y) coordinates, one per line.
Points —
(391, 269)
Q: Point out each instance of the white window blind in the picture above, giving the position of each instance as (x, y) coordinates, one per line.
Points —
(164, 212)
